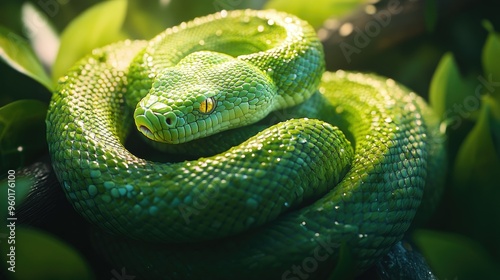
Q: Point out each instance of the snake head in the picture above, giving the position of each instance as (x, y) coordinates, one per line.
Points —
(205, 93)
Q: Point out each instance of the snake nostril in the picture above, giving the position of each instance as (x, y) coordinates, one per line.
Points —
(170, 119)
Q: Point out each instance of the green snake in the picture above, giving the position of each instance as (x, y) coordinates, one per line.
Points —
(332, 160)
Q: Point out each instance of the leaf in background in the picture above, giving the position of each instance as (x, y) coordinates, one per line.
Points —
(315, 13)
(42, 256)
(453, 256)
(451, 96)
(477, 161)
(96, 27)
(345, 265)
(144, 20)
(475, 179)
(22, 132)
(43, 37)
(16, 52)
(490, 55)
(219, 5)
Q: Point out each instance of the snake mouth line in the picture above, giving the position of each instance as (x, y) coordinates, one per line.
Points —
(146, 131)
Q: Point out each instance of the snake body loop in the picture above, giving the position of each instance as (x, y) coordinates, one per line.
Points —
(347, 166)
(275, 61)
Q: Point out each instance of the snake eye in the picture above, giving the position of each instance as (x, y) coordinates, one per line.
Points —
(207, 106)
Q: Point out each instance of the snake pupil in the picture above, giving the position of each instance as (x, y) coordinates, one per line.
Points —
(207, 106)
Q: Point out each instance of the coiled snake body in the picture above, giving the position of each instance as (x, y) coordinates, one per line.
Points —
(350, 168)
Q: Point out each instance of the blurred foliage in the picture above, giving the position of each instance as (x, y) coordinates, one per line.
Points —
(20, 122)
(312, 13)
(452, 58)
(42, 256)
(449, 87)
(94, 28)
(458, 257)
(36, 253)
(19, 55)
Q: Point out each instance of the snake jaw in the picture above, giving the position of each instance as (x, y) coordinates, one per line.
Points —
(144, 126)
(144, 130)
(154, 119)
(160, 127)
(146, 122)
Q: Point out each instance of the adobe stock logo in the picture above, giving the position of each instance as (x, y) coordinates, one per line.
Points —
(459, 111)
(310, 264)
(52, 7)
(372, 28)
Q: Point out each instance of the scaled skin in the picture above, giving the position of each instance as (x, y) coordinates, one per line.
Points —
(199, 97)
(352, 173)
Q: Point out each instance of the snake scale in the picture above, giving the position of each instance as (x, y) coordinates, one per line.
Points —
(344, 161)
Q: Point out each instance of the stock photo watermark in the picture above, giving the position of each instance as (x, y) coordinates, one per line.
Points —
(459, 111)
(363, 37)
(11, 220)
(199, 203)
(310, 264)
(51, 7)
(122, 275)
(220, 5)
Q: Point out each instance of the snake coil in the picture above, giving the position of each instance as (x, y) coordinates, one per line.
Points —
(349, 164)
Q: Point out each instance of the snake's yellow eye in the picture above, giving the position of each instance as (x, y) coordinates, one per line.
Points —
(207, 106)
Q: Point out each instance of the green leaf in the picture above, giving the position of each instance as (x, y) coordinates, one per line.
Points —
(477, 161)
(444, 77)
(345, 265)
(453, 256)
(39, 255)
(452, 96)
(144, 20)
(315, 14)
(490, 55)
(22, 132)
(42, 35)
(96, 27)
(475, 179)
(16, 52)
